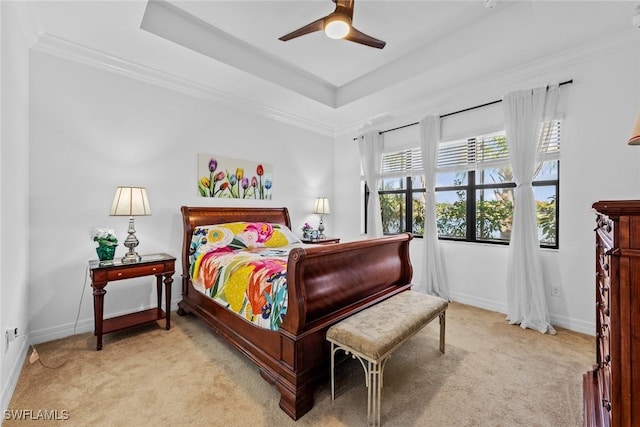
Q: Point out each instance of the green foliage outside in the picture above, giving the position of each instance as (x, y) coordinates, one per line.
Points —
(547, 220)
(493, 222)
(494, 212)
(393, 213)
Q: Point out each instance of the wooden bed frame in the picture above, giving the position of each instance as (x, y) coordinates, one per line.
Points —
(326, 283)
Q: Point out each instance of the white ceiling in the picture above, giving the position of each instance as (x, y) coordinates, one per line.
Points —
(230, 50)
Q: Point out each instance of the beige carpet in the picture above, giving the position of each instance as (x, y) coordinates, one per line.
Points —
(492, 374)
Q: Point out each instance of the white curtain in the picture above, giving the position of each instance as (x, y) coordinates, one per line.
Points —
(434, 278)
(371, 145)
(524, 113)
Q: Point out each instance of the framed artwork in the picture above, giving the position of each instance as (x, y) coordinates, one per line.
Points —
(229, 178)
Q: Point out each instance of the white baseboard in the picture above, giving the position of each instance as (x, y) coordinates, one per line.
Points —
(86, 325)
(14, 374)
(487, 304)
(572, 324)
(576, 325)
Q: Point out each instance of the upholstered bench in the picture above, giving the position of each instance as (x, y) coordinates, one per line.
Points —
(373, 334)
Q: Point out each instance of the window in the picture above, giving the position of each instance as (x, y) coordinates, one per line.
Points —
(474, 189)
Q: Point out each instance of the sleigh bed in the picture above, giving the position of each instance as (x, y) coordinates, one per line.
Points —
(324, 284)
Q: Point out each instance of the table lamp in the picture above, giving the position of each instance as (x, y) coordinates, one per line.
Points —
(130, 201)
(321, 207)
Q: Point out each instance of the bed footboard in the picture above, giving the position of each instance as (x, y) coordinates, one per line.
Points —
(327, 284)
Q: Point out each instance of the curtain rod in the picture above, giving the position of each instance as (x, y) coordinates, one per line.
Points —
(486, 104)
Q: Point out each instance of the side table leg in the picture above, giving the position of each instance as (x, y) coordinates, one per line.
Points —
(159, 292)
(98, 309)
(168, 280)
(443, 318)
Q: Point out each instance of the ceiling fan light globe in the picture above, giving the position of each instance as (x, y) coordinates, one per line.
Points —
(337, 26)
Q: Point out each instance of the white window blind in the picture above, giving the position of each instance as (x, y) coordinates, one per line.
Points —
(402, 163)
(549, 146)
(469, 154)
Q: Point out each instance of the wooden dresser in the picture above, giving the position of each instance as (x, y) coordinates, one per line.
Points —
(612, 388)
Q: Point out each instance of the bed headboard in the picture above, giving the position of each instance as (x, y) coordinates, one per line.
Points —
(193, 217)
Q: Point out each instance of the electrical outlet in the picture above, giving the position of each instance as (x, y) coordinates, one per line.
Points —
(555, 291)
(10, 335)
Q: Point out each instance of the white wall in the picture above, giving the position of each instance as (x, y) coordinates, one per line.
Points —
(14, 195)
(596, 163)
(93, 130)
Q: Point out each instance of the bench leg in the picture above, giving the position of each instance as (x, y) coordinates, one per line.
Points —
(374, 391)
(373, 374)
(333, 374)
(442, 327)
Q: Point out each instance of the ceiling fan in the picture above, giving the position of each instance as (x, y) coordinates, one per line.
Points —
(337, 25)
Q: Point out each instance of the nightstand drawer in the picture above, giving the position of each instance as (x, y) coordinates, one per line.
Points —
(137, 271)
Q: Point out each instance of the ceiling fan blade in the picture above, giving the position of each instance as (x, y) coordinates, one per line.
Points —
(309, 28)
(358, 37)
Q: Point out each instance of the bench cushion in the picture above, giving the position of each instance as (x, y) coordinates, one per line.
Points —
(376, 331)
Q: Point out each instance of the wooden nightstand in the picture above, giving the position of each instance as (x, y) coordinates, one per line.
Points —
(102, 272)
(325, 241)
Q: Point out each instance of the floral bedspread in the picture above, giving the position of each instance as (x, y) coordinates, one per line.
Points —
(243, 266)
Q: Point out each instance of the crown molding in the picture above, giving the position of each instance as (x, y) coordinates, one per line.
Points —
(29, 21)
(63, 48)
(539, 70)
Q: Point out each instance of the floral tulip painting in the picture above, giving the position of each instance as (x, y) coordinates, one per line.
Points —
(228, 178)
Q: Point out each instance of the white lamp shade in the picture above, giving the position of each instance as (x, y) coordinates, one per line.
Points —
(130, 201)
(321, 206)
(635, 134)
